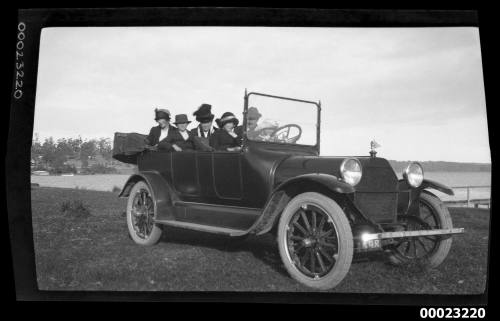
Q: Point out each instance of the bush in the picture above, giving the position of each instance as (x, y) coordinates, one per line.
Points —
(116, 189)
(75, 209)
(63, 169)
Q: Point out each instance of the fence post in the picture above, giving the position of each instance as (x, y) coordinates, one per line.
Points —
(468, 198)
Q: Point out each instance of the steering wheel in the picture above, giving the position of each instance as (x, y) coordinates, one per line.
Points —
(281, 134)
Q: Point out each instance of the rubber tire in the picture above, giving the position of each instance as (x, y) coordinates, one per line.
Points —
(155, 235)
(444, 246)
(344, 232)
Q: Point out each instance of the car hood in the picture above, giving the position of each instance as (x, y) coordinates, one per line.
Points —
(378, 174)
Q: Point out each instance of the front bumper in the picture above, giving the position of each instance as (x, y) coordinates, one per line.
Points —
(400, 234)
(377, 241)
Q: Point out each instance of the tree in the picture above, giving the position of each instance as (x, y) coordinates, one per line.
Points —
(87, 150)
(105, 148)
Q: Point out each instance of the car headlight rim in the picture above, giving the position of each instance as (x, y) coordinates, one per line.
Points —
(412, 177)
(351, 177)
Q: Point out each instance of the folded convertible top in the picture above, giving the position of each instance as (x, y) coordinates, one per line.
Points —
(127, 146)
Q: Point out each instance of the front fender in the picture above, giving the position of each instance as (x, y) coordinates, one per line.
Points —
(161, 191)
(427, 183)
(329, 181)
(302, 183)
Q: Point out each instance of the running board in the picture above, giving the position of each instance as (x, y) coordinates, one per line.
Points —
(203, 228)
(393, 235)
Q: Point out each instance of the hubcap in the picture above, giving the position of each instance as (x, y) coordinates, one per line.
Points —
(312, 241)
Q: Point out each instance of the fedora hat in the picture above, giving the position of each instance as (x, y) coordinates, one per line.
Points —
(204, 113)
(253, 113)
(181, 119)
(162, 114)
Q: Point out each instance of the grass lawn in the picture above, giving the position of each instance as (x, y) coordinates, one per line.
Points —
(95, 253)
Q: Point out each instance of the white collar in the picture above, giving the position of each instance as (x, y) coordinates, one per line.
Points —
(210, 130)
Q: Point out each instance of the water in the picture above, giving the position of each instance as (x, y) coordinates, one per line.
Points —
(106, 182)
(463, 179)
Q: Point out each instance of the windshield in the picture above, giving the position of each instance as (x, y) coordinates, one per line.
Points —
(280, 120)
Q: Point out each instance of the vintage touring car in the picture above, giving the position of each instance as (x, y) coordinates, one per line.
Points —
(321, 209)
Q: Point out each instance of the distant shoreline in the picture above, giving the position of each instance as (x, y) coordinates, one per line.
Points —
(441, 166)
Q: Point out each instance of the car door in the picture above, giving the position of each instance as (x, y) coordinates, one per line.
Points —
(185, 174)
(227, 175)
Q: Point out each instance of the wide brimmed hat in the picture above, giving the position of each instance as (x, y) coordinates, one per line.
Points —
(162, 114)
(227, 117)
(253, 113)
(204, 113)
(181, 119)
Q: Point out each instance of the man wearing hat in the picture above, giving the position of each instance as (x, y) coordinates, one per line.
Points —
(226, 139)
(205, 129)
(184, 139)
(159, 136)
(253, 117)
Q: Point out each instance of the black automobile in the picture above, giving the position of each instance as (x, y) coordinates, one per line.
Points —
(321, 209)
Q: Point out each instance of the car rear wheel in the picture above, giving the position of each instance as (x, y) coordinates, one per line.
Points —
(140, 215)
(315, 241)
(428, 250)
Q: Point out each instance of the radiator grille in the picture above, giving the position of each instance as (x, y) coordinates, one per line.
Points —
(380, 207)
(377, 192)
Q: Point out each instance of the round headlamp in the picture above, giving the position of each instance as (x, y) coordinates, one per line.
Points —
(414, 174)
(351, 171)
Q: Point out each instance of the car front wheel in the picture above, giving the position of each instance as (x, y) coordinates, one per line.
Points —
(429, 250)
(315, 241)
(140, 215)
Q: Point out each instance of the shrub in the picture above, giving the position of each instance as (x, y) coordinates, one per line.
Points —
(63, 169)
(75, 209)
(116, 189)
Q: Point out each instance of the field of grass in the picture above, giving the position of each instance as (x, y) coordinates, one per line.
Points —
(94, 252)
(98, 182)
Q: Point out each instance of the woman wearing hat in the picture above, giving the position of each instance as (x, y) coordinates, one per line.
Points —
(159, 136)
(226, 138)
(205, 129)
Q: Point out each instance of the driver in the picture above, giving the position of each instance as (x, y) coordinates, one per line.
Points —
(264, 131)
(253, 117)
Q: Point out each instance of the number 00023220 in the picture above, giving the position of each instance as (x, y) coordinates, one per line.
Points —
(452, 313)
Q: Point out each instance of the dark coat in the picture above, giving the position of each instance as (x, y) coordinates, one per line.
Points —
(195, 132)
(154, 138)
(221, 140)
(191, 143)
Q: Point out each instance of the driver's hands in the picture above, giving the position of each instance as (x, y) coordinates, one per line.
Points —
(151, 147)
(177, 148)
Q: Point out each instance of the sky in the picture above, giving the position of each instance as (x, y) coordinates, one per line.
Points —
(417, 91)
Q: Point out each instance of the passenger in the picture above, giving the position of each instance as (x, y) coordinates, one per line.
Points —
(182, 138)
(205, 129)
(159, 136)
(265, 130)
(226, 139)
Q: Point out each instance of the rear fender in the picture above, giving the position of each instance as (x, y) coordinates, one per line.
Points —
(161, 191)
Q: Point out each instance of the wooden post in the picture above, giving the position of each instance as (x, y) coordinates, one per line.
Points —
(468, 197)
